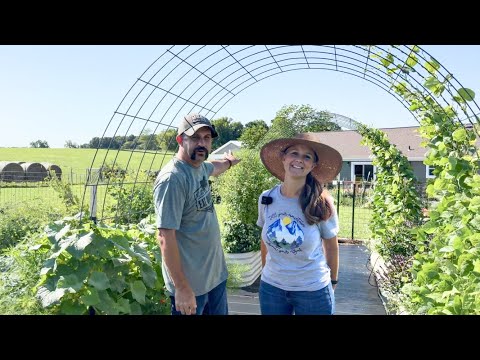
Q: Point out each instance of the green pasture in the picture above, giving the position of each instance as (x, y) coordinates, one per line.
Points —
(77, 160)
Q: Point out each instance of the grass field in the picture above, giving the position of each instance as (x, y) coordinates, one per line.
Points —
(77, 160)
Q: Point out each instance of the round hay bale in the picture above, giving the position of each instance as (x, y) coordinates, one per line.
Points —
(34, 171)
(52, 167)
(11, 171)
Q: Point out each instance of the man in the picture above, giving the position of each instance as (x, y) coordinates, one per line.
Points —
(193, 265)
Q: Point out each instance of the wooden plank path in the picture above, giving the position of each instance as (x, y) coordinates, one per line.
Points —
(356, 293)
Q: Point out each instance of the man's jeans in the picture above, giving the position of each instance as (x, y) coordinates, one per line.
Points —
(212, 303)
(275, 301)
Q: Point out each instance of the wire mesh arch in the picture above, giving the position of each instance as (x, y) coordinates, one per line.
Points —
(204, 78)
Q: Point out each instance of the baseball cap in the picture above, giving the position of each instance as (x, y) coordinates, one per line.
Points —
(192, 122)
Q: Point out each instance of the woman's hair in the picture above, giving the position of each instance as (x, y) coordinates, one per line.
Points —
(313, 201)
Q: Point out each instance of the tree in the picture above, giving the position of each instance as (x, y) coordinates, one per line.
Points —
(147, 140)
(227, 130)
(303, 118)
(70, 144)
(166, 140)
(256, 123)
(39, 144)
(252, 133)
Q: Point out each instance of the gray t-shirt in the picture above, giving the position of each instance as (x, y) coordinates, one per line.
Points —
(295, 259)
(183, 202)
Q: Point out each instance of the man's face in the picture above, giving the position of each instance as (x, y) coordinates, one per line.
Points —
(198, 146)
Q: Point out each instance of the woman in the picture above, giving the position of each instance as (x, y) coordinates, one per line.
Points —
(300, 271)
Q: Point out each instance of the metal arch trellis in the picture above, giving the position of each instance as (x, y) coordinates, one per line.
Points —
(204, 79)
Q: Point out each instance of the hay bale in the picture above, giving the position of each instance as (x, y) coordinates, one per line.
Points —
(52, 167)
(11, 171)
(34, 171)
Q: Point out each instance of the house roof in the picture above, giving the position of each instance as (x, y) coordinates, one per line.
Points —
(407, 140)
(227, 145)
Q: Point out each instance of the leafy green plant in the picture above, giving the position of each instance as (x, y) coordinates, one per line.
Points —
(104, 269)
(397, 274)
(19, 272)
(396, 202)
(239, 237)
(132, 203)
(240, 187)
(446, 271)
(64, 190)
(20, 220)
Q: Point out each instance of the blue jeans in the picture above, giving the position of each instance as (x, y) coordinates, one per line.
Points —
(275, 301)
(212, 303)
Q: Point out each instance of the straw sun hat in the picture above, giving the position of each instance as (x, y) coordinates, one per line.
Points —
(329, 160)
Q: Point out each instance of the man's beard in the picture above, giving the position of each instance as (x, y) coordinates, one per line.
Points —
(194, 154)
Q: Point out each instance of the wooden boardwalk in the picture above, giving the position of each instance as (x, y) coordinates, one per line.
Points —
(356, 293)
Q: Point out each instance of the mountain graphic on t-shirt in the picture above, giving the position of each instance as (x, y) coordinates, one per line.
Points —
(285, 233)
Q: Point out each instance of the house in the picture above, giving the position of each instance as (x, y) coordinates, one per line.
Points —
(233, 145)
(357, 161)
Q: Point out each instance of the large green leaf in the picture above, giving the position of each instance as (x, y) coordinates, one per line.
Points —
(135, 309)
(120, 261)
(48, 297)
(78, 246)
(48, 266)
(118, 284)
(71, 308)
(64, 243)
(467, 94)
(459, 134)
(149, 275)
(99, 280)
(91, 298)
(138, 291)
(142, 254)
(70, 282)
(60, 234)
(432, 66)
(107, 304)
(123, 306)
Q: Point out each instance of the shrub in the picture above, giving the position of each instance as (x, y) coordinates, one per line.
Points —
(19, 272)
(132, 202)
(17, 221)
(239, 237)
(101, 269)
(240, 187)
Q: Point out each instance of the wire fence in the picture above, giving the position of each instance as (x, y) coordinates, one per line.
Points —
(353, 199)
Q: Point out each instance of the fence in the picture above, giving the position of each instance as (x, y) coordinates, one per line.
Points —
(352, 199)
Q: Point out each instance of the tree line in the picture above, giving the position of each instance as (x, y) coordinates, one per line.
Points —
(299, 118)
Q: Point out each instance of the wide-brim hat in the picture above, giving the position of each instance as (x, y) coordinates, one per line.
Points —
(194, 121)
(329, 160)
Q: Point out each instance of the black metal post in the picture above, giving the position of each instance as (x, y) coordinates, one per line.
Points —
(338, 199)
(353, 210)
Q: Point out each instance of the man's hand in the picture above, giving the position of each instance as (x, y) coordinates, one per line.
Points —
(229, 156)
(220, 166)
(185, 301)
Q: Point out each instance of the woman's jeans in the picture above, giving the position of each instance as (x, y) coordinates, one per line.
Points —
(212, 303)
(275, 301)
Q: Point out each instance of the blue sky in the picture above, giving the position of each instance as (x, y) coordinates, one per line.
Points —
(70, 92)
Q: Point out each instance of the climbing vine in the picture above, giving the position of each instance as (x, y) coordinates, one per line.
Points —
(446, 269)
(396, 213)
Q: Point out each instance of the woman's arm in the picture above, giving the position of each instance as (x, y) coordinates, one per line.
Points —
(330, 247)
(263, 251)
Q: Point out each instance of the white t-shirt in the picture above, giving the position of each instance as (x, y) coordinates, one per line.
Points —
(295, 259)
